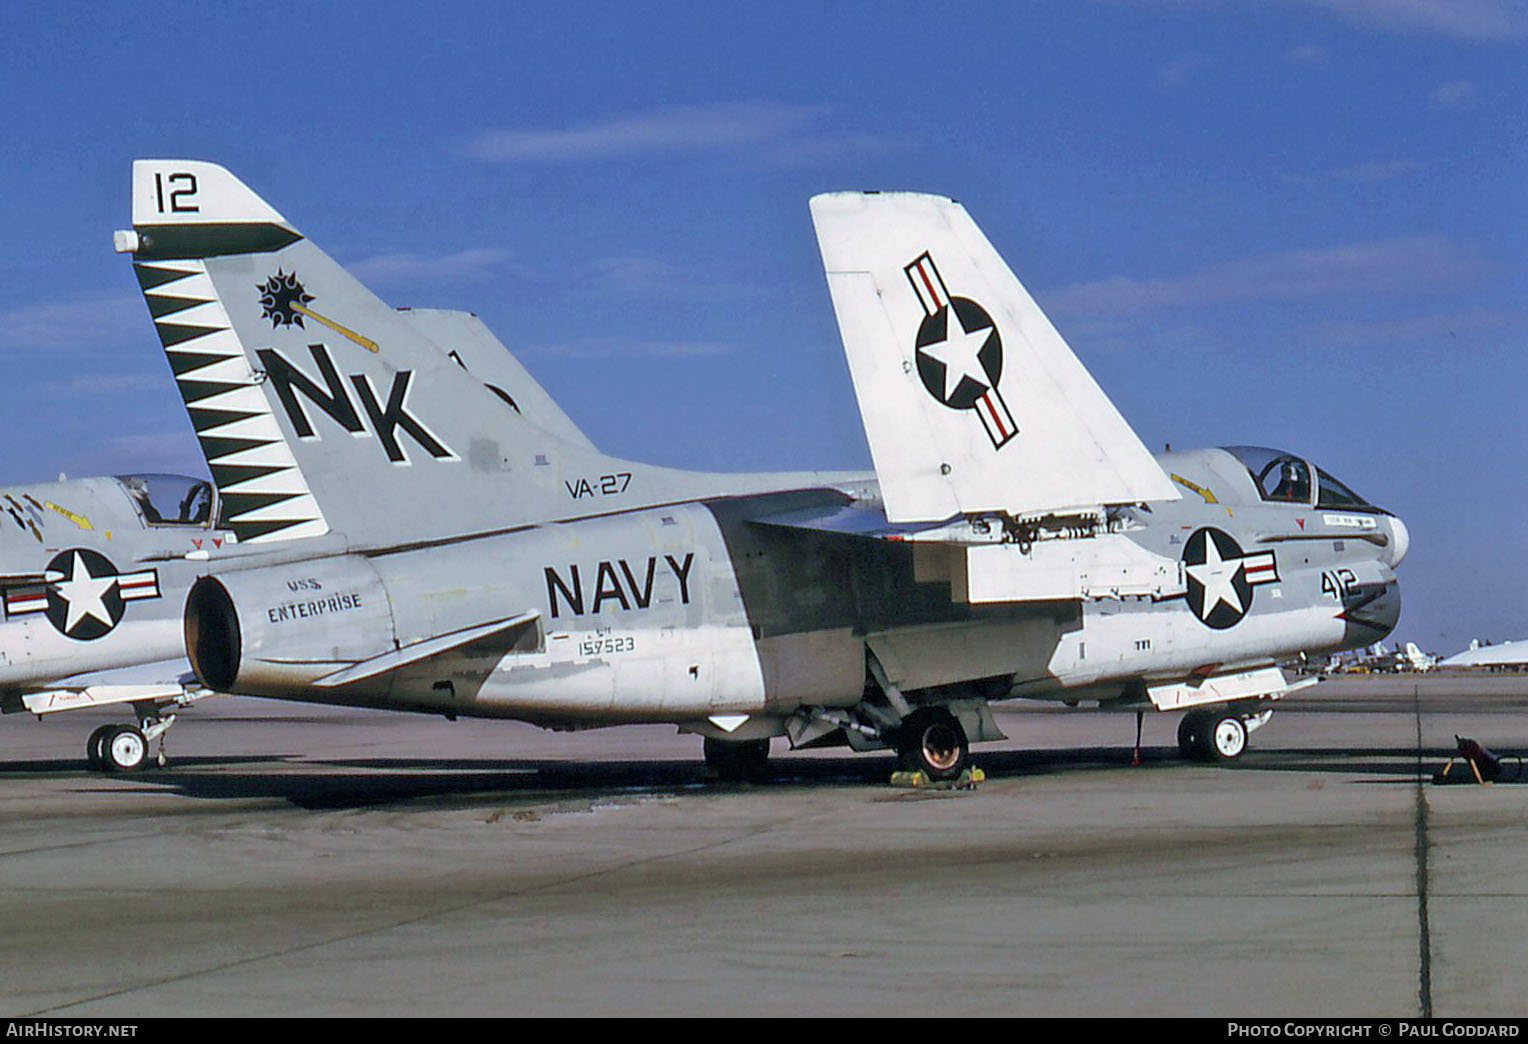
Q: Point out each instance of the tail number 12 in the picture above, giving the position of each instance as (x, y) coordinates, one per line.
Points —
(182, 188)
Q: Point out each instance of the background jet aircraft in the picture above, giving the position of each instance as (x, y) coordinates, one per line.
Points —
(1505, 656)
(94, 580)
(407, 541)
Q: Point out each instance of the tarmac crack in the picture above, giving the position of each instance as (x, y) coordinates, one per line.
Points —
(1424, 933)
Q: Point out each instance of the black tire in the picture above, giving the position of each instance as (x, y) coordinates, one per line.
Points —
(125, 749)
(1226, 739)
(931, 740)
(1193, 735)
(95, 746)
(738, 761)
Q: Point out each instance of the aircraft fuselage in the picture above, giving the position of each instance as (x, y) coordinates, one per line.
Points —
(686, 612)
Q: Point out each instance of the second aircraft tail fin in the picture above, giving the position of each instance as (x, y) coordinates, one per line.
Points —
(971, 400)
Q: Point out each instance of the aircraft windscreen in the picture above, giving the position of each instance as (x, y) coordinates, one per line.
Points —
(1285, 478)
(1335, 495)
(170, 500)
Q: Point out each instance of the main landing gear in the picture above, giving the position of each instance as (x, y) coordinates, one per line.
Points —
(125, 748)
(1219, 734)
(931, 740)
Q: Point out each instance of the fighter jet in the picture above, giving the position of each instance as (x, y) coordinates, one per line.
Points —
(409, 540)
(94, 572)
(96, 576)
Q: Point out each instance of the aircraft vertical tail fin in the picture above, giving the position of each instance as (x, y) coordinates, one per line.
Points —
(320, 408)
(971, 400)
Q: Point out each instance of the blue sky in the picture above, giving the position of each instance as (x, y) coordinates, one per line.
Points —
(1296, 223)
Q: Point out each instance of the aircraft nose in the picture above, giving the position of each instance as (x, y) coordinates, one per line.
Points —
(1400, 542)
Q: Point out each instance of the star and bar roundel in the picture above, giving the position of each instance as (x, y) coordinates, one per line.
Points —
(959, 352)
(1221, 577)
(89, 601)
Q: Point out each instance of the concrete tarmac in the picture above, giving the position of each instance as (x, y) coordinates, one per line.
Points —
(296, 860)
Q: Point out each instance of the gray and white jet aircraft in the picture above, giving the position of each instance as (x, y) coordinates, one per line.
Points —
(94, 572)
(94, 581)
(407, 539)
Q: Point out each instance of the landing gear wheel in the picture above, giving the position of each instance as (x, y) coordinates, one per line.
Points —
(1192, 731)
(932, 741)
(124, 750)
(738, 761)
(95, 748)
(1227, 739)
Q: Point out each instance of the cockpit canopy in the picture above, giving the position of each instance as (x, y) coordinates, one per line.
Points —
(171, 500)
(1283, 478)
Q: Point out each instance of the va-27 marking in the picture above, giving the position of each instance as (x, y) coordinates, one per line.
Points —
(603, 486)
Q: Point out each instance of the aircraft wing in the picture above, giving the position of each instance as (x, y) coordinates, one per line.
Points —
(982, 567)
(857, 519)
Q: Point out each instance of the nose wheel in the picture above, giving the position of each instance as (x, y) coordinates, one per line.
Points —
(1214, 736)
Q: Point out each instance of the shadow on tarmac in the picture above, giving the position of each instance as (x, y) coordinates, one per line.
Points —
(337, 784)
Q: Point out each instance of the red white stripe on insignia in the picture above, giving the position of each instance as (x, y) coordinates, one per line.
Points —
(20, 602)
(1260, 568)
(134, 586)
(927, 283)
(996, 418)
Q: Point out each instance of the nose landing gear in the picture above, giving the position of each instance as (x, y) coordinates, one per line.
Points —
(1218, 735)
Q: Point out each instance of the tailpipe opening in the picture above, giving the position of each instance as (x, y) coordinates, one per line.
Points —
(213, 642)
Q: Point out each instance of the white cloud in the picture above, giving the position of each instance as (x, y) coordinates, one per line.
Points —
(1381, 170)
(402, 267)
(1308, 54)
(1462, 19)
(1452, 96)
(1176, 74)
(1470, 325)
(1482, 20)
(794, 129)
(639, 275)
(84, 321)
(1381, 268)
(630, 347)
(96, 385)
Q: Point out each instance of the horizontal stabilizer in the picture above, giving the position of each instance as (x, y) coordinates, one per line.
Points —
(420, 651)
(971, 400)
(468, 342)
